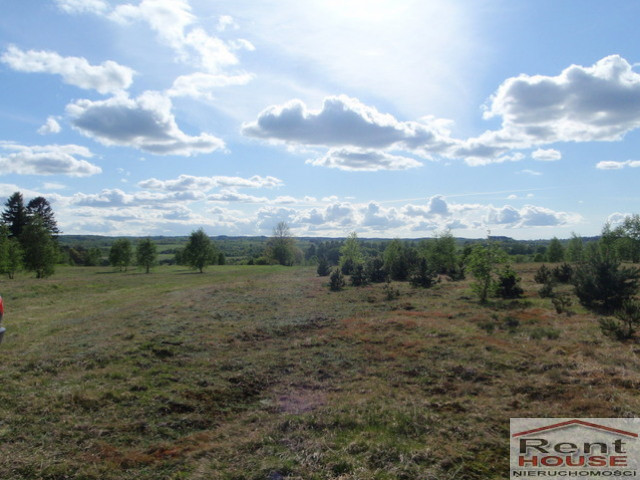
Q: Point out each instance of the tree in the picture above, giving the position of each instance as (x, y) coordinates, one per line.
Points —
(508, 285)
(15, 214)
(424, 275)
(14, 257)
(375, 270)
(602, 284)
(483, 262)
(146, 254)
(120, 254)
(630, 233)
(350, 254)
(40, 248)
(555, 251)
(627, 318)
(358, 276)
(396, 260)
(575, 249)
(41, 206)
(323, 267)
(93, 257)
(281, 247)
(199, 251)
(441, 252)
(336, 280)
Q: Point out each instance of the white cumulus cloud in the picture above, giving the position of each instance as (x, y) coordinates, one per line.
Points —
(600, 102)
(108, 77)
(50, 126)
(46, 160)
(356, 159)
(614, 165)
(341, 122)
(548, 155)
(146, 123)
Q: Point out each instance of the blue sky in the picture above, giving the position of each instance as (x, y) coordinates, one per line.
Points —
(390, 118)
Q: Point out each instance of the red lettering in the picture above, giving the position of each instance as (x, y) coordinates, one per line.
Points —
(579, 462)
(617, 461)
(597, 461)
(523, 461)
(552, 461)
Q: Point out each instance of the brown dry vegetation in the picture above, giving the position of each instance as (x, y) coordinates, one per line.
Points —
(263, 373)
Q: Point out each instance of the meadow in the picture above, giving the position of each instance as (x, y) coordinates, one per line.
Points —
(262, 373)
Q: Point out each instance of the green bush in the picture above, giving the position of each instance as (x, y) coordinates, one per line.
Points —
(545, 332)
(508, 285)
(603, 285)
(546, 291)
(358, 277)
(623, 325)
(424, 276)
(561, 302)
(336, 280)
(323, 267)
(375, 270)
(543, 275)
(563, 273)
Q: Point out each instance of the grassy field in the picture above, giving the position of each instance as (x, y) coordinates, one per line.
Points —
(248, 372)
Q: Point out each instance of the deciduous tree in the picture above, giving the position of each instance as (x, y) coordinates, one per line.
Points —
(483, 262)
(146, 254)
(281, 247)
(40, 248)
(200, 251)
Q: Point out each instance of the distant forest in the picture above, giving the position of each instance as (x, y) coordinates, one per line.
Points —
(94, 249)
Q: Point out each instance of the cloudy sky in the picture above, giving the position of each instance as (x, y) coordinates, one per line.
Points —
(391, 118)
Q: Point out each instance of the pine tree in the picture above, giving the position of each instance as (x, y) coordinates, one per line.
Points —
(15, 214)
(41, 206)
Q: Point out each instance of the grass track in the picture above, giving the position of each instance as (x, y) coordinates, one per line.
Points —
(250, 372)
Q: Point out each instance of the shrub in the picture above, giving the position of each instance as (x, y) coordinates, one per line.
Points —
(375, 270)
(424, 276)
(391, 293)
(508, 285)
(456, 273)
(336, 280)
(561, 302)
(563, 273)
(511, 323)
(358, 278)
(323, 267)
(543, 275)
(546, 291)
(602, 284)
(347, 266)
(545, 332)
(623, 326)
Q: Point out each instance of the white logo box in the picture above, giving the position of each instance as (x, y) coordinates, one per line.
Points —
(574, 447)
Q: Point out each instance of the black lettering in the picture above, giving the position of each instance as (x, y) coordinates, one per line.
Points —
(536, 443)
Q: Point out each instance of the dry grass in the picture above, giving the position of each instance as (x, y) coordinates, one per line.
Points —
(262, 373)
